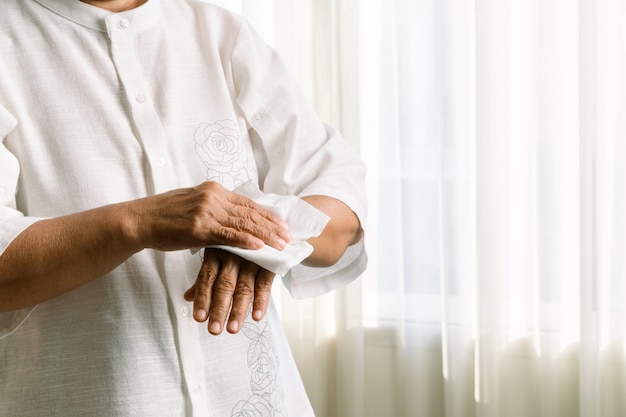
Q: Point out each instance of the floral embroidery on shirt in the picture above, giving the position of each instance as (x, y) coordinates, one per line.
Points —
(223, 153)
(267, 396)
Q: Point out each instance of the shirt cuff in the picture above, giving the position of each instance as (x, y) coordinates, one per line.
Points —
(308, 281)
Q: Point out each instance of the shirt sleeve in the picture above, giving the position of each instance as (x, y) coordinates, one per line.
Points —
(12, 221)
(297, 153)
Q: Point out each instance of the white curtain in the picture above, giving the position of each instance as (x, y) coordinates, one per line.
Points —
(494, 132)
(496, 147)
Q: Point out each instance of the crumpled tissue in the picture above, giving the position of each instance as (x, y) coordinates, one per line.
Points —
(305, 221)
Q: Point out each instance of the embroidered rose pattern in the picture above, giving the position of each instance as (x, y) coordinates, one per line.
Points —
(264, 375)
(221, 149)
(255, 407)
(267, 398)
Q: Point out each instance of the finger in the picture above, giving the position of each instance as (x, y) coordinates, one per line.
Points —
(190, 294)
(241, 202)
(267, 232)
(203, 288)
(227, 235)
(249, 217)
(223, 290)
(262, 293)
(242, 298)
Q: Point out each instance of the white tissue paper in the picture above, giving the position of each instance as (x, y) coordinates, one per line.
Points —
(305, 221)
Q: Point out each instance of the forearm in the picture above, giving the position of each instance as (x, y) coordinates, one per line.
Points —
(343, 230)
(57, 255)
(54, 256)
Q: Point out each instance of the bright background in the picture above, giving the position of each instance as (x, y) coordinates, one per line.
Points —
(492, 130)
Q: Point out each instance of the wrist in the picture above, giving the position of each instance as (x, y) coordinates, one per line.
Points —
(128, 227)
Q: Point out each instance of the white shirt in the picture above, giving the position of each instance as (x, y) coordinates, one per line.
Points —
(99, 107)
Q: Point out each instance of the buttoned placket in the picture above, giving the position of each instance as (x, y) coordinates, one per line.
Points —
(153, 140)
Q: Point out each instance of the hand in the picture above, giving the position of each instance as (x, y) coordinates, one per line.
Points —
(201, 216)
(227, 282)
(56, 255)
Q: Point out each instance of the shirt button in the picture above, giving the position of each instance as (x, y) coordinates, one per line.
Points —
(123, 24)
(184, 311)
(197, 388)
(160, 162)
(140, 98)
(257, 117)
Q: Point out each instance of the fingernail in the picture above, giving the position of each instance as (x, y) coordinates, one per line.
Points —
(201, 314)
(257, 315)
(215, 327)
(233, 326)
(281, 244)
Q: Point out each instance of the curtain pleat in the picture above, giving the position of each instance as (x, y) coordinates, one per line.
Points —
(494, 136)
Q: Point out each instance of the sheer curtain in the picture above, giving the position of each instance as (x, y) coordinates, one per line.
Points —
(493, 134)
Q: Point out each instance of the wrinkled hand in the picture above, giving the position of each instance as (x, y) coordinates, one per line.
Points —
(228, 283)
(205, 215)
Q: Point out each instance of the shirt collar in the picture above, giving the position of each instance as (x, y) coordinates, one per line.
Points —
(142, 17)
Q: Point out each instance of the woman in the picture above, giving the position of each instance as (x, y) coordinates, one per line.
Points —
(133, 134)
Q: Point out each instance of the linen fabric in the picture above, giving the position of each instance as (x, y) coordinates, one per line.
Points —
(98, 108)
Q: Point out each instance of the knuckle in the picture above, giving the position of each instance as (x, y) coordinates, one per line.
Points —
(226, 234)
(219, 310)
(256, 216)
(204, 275)
(245, 289)
(265, 277)
(208, 186)
(206, 196)
(264, 285)
(223, 286)
(202, 299)
(241, 202)
(242, 223)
